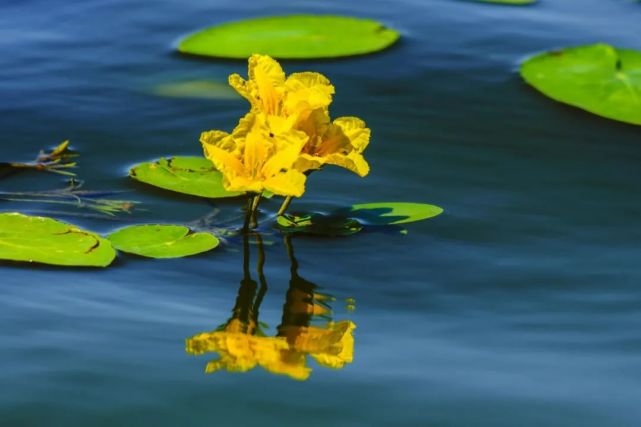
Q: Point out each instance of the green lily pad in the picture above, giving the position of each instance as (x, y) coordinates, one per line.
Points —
(393, 213)
(294, 36)
(199, 89)
(47, 241)
(188, 175)
(361, 217)
(162, 241)
(599, 78)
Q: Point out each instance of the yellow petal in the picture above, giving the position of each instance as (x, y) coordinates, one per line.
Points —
(307, 91)
(228, 164)
(333, 141)
(243, 184)
(241, 87)
(306, 162)
(354, 162)
(255, 153)
(290, 183)
(355, 130)
(288, 148)
(268, 79)
(244, 125)
(315, 125)
(218, 138)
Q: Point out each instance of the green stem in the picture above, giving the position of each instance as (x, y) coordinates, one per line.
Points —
(285, 205)
(250, 214)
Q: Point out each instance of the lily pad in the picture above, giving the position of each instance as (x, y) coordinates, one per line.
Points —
(47, 241)
(361, 217)
(599, 78)
(188, 175)
(199, 89)
(294, 36)
(393, 213)
(162, 241)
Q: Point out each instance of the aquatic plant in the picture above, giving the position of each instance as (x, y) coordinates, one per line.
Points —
(286, 135)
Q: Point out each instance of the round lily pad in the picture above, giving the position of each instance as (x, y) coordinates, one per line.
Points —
(599, 78)
(393, 213)
(162, 241)
(294, 36)
(47, 241)
(188, 175)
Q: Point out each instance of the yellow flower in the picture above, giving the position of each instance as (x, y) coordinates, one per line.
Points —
(258, 155)
(270, 92)
(339, 143)
(301, 102)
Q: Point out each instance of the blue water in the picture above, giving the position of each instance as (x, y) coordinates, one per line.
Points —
(520, 306)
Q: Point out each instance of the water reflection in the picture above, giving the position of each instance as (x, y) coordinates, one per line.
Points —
(306, 328)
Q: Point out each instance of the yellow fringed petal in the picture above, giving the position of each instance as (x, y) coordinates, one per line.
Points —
(267, 83)
(354, 162)
(307, 91)
(356, 131)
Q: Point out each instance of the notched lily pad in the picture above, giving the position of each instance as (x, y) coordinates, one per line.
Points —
(599, 78)
(361, 217)
(162, 241)
(294, 36)
(195, 176)
(47, 241)
(393, 213)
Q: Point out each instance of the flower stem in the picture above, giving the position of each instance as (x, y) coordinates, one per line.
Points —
(285, 205)
(254, 211)
(251, 211)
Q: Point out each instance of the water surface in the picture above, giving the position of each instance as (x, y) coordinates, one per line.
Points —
(520, 306)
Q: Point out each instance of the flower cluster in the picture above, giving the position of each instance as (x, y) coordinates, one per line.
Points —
(287, 133)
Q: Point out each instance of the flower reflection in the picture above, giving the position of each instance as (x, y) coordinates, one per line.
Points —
(242, 345)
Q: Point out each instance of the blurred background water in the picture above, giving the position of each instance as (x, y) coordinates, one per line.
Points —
(520, 306)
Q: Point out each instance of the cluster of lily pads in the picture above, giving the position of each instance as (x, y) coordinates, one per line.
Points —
(286, 136)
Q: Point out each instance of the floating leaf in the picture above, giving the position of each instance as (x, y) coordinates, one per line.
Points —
(162, 241)
(295, 36)
(347, 221)
(203, 89)
(47, 241)
(189, 175)
(598, 78)
(393, 213)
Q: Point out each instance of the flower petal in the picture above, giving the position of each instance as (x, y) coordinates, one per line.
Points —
(267, 78)
(356, 131)
(307, 91)
(290, 183)
(353, 161)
